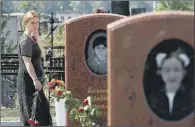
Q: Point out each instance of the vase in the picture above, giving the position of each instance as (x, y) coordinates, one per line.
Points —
(61, 115)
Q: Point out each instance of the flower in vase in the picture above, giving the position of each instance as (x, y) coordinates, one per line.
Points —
(51, 85)
(55, 83)
(59, 92)
(56, 88)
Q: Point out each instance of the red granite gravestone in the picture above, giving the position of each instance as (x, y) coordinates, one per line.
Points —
(150, 64)
(85, 58)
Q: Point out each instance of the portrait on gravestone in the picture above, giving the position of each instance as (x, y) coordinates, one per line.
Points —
(96, 52)
(169, 79)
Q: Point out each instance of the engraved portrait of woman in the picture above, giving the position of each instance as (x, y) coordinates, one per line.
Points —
(97, 58)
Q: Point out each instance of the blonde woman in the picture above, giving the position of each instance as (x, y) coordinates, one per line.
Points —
(30, 74)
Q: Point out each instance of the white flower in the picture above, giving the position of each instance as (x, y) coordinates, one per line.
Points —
(68, 92)
(86, 107)
(89, 101)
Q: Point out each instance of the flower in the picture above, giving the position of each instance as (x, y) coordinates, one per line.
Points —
(59, 92)
(84, 112)
(51, 85)
(85, 102)
(89, 101)
(56, 88)
(86, 107)
(80, 109)
(54, 83)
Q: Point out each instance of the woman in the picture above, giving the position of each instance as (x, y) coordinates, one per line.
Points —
(98, 62)
(174, 100)
(30, 73)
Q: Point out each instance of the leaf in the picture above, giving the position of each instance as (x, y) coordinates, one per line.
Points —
(58, 99)
(92, 113)
(72, 116)
(175, 5)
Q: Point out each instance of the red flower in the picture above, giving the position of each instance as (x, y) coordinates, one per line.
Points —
(59, 92)
(36, 123)
(85, 102)
(30, 121)
(80, 109)
(50, 85)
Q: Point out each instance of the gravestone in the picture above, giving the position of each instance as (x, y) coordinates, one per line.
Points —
(85, 58)
(151, 58)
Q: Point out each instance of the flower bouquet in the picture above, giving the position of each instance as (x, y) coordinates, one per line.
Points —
(57, 92)
(56, 89)
(84, 112)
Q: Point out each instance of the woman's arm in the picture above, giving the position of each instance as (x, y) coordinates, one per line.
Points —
(31, 71)
(29, 67)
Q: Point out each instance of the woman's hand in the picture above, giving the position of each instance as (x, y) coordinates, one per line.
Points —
(35, 35)
(37, 84)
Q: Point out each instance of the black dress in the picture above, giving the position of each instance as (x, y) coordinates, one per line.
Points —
(25, 85)
(183, 104)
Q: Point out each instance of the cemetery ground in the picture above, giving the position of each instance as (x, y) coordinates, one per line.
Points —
(13, 114)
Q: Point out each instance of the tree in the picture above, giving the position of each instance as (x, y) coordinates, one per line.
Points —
(24, 6)
(6, 46)
(106, 5)
(7, 6)
(175, 5)
(58, 37)
(64, 5)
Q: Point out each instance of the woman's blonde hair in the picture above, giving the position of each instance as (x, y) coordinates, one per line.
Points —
(26, 18)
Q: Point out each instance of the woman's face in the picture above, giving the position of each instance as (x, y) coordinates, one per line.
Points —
(100, 52)
(33, 25)
(172, 73)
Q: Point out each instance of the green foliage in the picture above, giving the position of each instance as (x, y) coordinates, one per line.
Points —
(175, 5)
(7, 47)
(58, 37)
(25, 6)
(7, 6)
(64, 5)
(84, 114)
(77, 7)
(87, 7)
